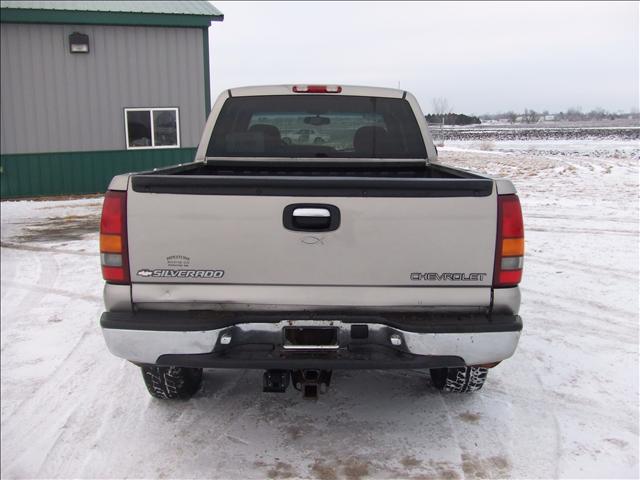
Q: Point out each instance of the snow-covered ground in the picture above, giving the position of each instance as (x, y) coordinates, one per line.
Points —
(600, 149)
(598, 142)
(566, 405)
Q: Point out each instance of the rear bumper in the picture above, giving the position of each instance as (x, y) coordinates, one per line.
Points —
(256, 339)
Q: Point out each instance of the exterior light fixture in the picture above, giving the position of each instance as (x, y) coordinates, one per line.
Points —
(78, 43)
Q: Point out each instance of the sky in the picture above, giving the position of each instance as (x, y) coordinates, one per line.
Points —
(483, 57)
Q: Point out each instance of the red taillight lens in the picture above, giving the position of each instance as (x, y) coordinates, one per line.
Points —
(512, 226)
(113, 212)
(317, 89)
(114, 256)
(510, 243)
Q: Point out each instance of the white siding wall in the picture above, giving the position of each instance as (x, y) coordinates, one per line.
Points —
(55, 101)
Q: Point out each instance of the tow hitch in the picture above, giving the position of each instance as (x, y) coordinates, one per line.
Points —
(311, 382)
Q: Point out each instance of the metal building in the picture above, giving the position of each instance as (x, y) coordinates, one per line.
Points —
(92, 89)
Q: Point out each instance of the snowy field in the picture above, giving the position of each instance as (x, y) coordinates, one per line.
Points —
(566, 405)
(596, 142)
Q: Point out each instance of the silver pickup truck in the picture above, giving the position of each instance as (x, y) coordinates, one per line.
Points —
(358, 253)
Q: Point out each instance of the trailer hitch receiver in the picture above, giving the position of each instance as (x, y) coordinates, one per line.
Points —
(311, 382)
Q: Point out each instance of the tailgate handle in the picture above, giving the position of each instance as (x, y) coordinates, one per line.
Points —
(311, 212)
(305, 217)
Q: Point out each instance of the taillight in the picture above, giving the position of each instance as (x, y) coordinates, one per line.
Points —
(113, 238)
(510, 242)
(317, 89)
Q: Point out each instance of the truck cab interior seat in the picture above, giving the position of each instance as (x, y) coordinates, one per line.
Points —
(369, 140)
(270, 134)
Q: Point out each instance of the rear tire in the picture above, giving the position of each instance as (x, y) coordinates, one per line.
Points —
(459, 380)
(171, 383)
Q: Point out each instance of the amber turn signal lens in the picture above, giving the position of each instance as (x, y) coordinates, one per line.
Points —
(513, 247)
(110, 243)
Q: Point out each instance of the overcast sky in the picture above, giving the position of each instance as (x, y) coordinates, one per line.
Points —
(482, 57)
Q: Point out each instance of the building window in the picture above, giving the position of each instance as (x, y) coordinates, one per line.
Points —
(152, 127)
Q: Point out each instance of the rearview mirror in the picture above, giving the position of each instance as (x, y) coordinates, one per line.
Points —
(317, 120)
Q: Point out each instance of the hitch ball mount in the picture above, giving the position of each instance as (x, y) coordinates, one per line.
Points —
(309, 382)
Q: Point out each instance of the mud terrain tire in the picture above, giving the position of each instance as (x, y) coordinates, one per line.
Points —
(171, 383)
(459, 380)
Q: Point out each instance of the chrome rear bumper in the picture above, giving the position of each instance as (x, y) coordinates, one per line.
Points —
(184, 338)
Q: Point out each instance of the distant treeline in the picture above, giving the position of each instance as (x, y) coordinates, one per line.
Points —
(452, 119)
(572, 114)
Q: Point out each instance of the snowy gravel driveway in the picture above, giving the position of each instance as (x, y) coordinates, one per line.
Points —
(566, 405)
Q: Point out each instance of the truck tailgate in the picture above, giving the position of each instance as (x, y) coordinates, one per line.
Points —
(445, 238)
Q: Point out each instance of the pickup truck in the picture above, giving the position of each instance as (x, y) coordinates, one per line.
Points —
(301, 259)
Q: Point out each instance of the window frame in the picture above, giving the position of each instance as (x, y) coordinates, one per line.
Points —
(151, 110)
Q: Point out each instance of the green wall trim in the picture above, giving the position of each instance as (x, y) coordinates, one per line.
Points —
(207, 79)
(18, 15)
(72, 173)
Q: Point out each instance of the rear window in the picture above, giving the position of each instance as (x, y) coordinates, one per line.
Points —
(307, 126)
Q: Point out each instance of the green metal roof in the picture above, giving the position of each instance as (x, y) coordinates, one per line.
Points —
(193, 13)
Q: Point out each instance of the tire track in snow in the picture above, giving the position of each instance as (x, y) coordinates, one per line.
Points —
(73, 455)
(77, 344)
(599, 306)
(454, 431)
(33, 248)
(586, 319)
(556, 424)
(8, 298)
(594, 218)
(8, 271)
(114, 376)
(54, 291)
(32, 442)
(524, 420)
(487, 425)
(595, 231)
(197, 423)
(54, 400)
(48, 273)
(11, 334)
(588, 268)
(238, 414)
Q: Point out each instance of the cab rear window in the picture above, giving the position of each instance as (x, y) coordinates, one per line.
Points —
(313, 126)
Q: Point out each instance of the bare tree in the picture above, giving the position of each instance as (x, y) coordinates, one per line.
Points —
(512, 117)
(575, 113)
(440, 109)
(530, 116)
(598, 113)
(441, 106)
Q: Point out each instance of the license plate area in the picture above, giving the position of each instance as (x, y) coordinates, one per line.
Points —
(310, 338)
